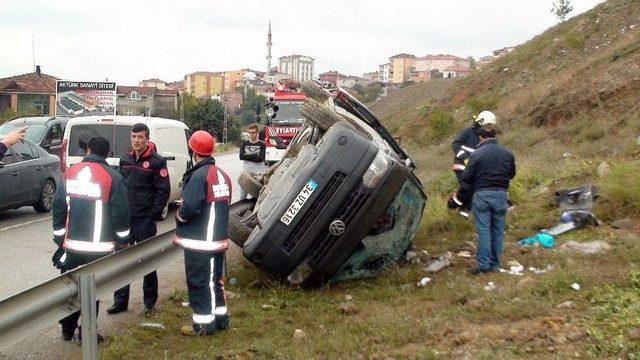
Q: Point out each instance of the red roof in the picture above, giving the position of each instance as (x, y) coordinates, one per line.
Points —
(29, 83)
(142, 90)
(458, 69)
(332, 73)
(402, 55)
(167, 92)
(440, 57)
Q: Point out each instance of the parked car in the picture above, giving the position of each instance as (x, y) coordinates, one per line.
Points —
(169, 136)
(342, 204)
(29, 176)
(44, 131)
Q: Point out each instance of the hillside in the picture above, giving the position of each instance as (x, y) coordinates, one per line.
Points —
(568, 101)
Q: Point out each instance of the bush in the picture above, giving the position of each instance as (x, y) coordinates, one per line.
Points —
(621, 189)
(573, 41)
(440, 124)
(488, 101)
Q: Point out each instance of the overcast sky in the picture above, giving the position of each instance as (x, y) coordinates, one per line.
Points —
(127, 41)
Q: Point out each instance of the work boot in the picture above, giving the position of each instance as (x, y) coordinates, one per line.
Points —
(222, 322)
(476, 271)
(116, 308)
(68, 335)
(148, 310)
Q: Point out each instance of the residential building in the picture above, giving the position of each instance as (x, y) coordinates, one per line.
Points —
(383, 73)
(331, 77)
(275, 77)
(157, 83)
(230, 78)
(176, 85)
(147, 101)
(504, 51)
(440, 62)
(400, 67)
(231, 100)
(455, 71)
(485, 60)
(32, 94)
(420, 76)
(350, 81)
(204, 84)
(300, 67)
(371, 76)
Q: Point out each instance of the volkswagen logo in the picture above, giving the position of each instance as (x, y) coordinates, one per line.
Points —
(336, 228)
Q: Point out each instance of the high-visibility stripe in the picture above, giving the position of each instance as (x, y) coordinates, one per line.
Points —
(123, 233)
(87, 246)
(97, 228)
(467, 149)
(457, 201)
(180, 218)
(203, 319)
(222, 310)
(213, 293)
(59, 232)
(201, 245)
(212, 221)
(460, 153)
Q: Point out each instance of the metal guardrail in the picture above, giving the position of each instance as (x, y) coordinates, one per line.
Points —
(25, 313)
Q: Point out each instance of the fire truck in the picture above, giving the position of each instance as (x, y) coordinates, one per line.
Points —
(283, 120)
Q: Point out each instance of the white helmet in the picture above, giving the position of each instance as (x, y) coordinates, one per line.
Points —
(485, 118)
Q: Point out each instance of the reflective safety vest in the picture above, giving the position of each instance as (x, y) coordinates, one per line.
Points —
(202, 220)
(84, 219)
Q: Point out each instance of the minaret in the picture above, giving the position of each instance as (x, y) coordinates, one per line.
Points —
(269, 49)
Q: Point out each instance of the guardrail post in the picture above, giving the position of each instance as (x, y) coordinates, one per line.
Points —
(88, 315)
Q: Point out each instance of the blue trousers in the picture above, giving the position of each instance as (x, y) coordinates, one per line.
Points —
(489, 209)
(205, 284)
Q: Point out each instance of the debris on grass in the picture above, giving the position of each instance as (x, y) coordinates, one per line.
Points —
(423, 282)
(299, 334)
(490, 286)
(150, 325)
(464, 254)
(575, 286)
(540, 239)
(592, 247)
(348, 308)
(566, 305)
(348, 298)
(185, 304)
(442, 262)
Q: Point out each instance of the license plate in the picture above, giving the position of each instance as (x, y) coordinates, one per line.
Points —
(299, 201)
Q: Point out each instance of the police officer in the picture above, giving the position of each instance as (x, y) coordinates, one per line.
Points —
(484, 183)
(148, 189)
(201, 229)
(467, 140)
(90, 215)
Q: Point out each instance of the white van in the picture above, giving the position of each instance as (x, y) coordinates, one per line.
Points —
(169, 136)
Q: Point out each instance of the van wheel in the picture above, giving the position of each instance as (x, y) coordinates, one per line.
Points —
(319, 114)
(239, 214)
(46, 197)
(313, 91)
(250, 183)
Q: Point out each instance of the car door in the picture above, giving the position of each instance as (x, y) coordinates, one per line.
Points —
(29, 172)
(8, 181)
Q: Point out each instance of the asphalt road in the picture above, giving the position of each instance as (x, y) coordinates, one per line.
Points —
(25, 239)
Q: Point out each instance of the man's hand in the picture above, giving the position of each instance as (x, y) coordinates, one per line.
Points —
(453, 202)
(13, 137)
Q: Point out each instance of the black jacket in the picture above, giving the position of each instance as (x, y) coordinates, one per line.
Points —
(491, 166)
(254, 152)
(467, 137)
(147, 179)
(202, 220)
(90, 209)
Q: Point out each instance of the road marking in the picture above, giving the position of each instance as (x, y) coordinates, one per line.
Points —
(24, 224)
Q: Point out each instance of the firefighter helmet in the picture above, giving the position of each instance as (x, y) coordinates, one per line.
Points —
(202, 143)
(485, 118)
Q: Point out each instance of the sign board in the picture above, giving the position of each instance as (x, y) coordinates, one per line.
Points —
(84, 98)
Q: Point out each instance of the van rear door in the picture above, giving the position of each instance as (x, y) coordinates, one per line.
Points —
(119, 137)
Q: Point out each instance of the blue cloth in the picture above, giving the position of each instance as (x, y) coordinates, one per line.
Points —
(489, 209)
(545, 240)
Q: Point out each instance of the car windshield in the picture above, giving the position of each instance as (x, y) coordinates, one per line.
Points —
(288, 112)
(119, 138)
(34, 133)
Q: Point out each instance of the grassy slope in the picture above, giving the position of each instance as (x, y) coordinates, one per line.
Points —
(566, 106)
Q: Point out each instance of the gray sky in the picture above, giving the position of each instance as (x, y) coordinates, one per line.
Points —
(127, 41)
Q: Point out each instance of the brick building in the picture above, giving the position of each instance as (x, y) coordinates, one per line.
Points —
(147, 101)
(30, 94)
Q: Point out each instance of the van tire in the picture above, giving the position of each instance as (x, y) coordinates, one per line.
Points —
(239, 231)
(250, 183)
(319, 114)
(313, 91)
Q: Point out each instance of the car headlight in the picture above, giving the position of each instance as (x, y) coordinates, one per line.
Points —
(376, 170)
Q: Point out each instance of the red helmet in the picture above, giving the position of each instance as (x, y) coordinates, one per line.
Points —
(202, 143)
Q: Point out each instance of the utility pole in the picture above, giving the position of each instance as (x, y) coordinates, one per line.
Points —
(224, 128)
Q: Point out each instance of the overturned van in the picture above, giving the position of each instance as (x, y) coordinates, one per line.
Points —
(342, 204)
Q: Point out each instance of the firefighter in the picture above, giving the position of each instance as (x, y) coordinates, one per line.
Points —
(201, 229)
(148, 189)
(90, 216)
(467, 140)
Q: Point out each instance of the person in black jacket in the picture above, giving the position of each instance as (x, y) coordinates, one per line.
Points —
(467, 140)
(10, 139)
(202, 225)
(252, 154)
(485, 182)
(148, 189)
(90, 216)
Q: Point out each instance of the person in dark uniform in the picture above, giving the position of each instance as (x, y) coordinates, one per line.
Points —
(484, 183)
(148, 189)
(90, 216)
(202, 223)
(467, 140)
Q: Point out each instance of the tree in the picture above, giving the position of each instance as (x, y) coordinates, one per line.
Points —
(208, 115)
(561, 8)
(247, 112)
(472, 62)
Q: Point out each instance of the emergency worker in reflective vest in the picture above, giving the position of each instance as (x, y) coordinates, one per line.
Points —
(202, 223)
(90, 215)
